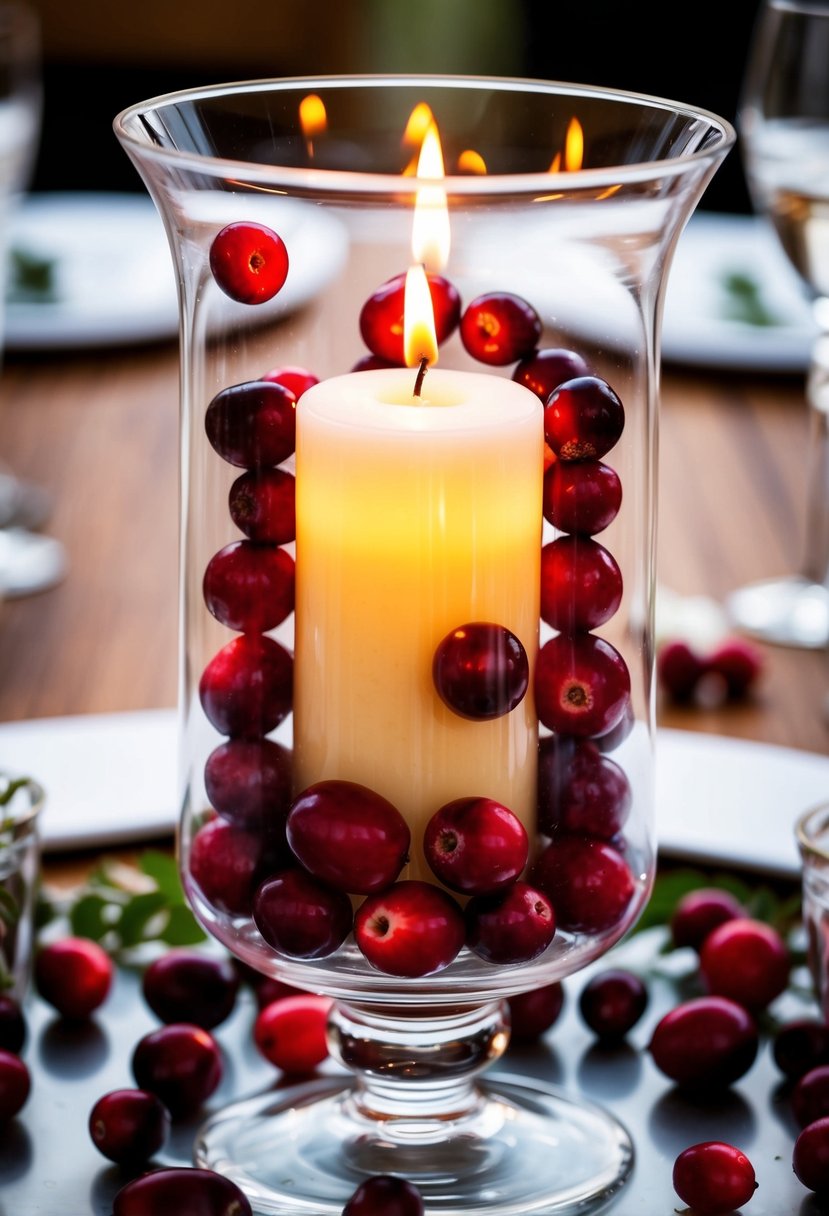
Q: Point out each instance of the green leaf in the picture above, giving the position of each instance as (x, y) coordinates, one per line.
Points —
(136, 916)
(11, 788)
(182, 928)
(163, 870)
(88, 917)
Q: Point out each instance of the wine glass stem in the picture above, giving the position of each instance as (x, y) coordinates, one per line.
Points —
(816, 545)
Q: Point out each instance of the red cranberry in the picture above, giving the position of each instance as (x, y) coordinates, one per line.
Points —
(679, 670)
(74, 975)
(582, 497)
(705, 1043)
(746, 960)
(181, 1063)
(372, 363)
(348, 836)
(499, 327)
(381, 317)
(612, 1002)
(262, 504)
(292, 1033)
(581, 584)
(410, 929)
(800, 1046)
(533, 1012)
(582, 685)
(186, 986)
(301, 917)
(513, 926)
(714, 1178)
(583, 419)
(810, 1096)
(13, 1028)
(15, 1085)
(227, 863)
(385, 1195)
(252, 424)
(297, 379)
(267, 989)
(580, 790)
(589, 882)
(615, 737)
(481, 671)
(129, 1126)
(738, 663)
(247, 687)
(249, 262)
(699, 912)
(810, 1156)
(248, 781)
(475, 845)
(544, 370)
(249, 587)
(185, 1190)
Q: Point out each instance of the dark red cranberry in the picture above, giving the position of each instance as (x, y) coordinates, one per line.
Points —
(513, 926)
(499, 328)
(475, 845)
(297, 379)
(248, 781)
(187, 986)
(381, 317)
(581, 584)
(74, 975)
(747, 960)
(185, 1190)
(705, 1043)
(800, 1045)
(227, 863)
(348, 836)
(544, 370)
(583, 419)
(301, 917)
(615, 737)
(582, 685)
(580, 789)
(810, 1157)
(699, 912)
(266, 989)
(262, 504)
(247, 687)
(129, 1126)
(252, 424)
(372, 363)
(385, 1195)
(612, 1002)
(581, 496)
(249, 587)
(481, 670)
(714, 1178)
(810, 1096)
(738, 663)
(249, 262)
(13, 1028)
(181, 1063)
(15, 1085)
(533, 1012)
(679, 670)
(589, 882)
(410, 929)
(292, 1033)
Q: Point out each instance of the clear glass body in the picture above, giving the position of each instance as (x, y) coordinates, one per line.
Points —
(19, 878)
(423, 508)
(812, 835)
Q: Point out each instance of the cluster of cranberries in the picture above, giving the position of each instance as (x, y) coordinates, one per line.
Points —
(729, 671)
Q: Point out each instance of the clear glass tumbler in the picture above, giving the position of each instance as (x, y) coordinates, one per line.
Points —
(21, 803)
(420, 326)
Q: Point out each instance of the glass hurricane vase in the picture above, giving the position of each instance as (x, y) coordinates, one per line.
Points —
(419, 328)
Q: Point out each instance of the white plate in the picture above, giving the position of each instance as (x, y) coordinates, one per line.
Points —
(110, 779)
(114, 276)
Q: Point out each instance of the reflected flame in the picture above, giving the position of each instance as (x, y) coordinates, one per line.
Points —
(419, 338)
(430, 229)
(573, 149)
(312, 119)
(471, 161)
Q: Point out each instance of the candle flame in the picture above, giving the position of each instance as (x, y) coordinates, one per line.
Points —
(312, 119)
(419, 337)
(471, 161)
(430, 228)
(573, 149)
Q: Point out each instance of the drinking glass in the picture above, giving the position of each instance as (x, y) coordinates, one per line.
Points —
(416, 603)
(783, 121)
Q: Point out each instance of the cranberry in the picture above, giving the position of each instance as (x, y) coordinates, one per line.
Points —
(15, 1084)
(297, 379)
(580, 790)
(738, 663)
(381, 317)
(481, 671)
(249, 587)
(372, 363)
(746, 960)
(582, 497)
(800, 1046)
(348, 836)
(385, 1195)
(513, 926)
(499, 327)
(714, 1178)
(248, 781)
(583, 419)
(679, 670)
(475, 845)
(810, 1096)
(582, 685)
(410, 929)
(699, 912)
(589, 882)
(612, 1002)
(74, 975)
(544, 370)
(301, 917)
(615, 737)
(252, 424)
(249, 262)
(705, 1043)
(533, 1012)
(247, 687)
(292, 1032)
(13, 1028)
(181, 1063)
(810, 1156)
(262, 504)
(267, 989)
(581, 584)
(185, 1190)
(129, 1125)
(186, 986)
(227, 863)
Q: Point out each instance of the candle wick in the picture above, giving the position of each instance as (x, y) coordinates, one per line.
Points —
(421, 372)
